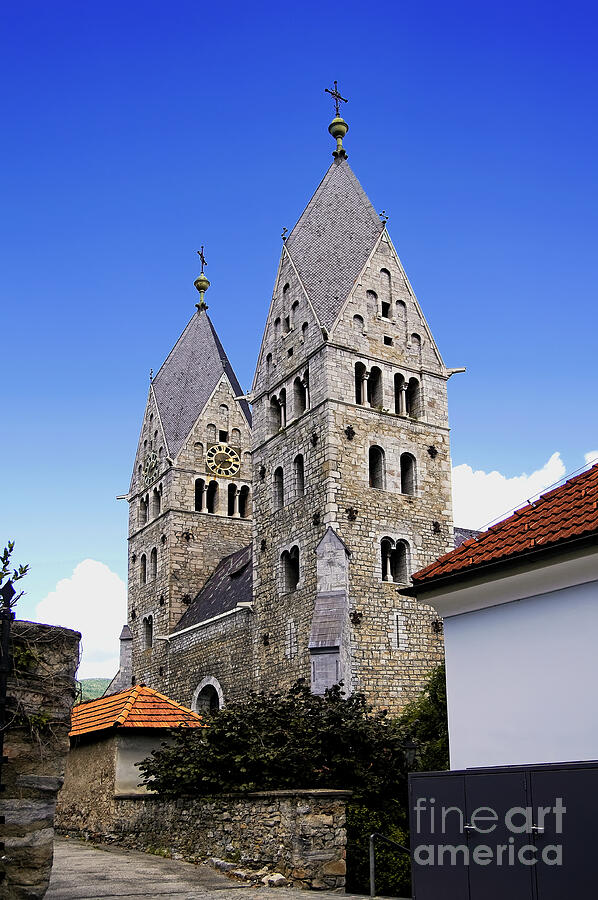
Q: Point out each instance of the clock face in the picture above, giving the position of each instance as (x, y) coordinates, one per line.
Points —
(150, 467)
(223, 460)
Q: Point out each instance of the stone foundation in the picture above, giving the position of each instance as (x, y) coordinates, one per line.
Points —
(300, 834)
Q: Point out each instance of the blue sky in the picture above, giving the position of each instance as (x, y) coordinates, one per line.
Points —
(136, 132)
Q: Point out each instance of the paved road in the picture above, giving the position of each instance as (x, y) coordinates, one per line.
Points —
(90, 871)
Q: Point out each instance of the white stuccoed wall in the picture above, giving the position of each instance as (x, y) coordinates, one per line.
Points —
(522, 680)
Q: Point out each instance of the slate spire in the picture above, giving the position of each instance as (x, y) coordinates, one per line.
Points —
(188, 378)
(333, 239)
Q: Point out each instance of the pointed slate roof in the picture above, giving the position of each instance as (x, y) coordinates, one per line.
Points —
(332, 240)
(137, 707)
(187, 380)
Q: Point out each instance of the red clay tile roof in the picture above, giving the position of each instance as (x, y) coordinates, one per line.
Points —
(138, 707)
(563, 514)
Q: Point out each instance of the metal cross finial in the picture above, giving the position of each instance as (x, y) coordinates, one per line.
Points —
(335, 94)
(202, 257)
(284, 234)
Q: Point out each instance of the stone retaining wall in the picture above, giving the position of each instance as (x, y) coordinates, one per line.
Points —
(41, 691)
(300, 834)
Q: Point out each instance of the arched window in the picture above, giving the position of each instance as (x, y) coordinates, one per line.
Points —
(304, 328)
(371, 298)
(244, 505)
(400, 388)
(375, 388)
(408, 481)
(278, 488)
(275, 415)
(285, 291)
(360, 385)
(211, 430)
(299, 475)
(299, 397)
(294, 309)
(377, 474)
(413, 399)
(401, 316)
(395, 560)
(142, 511)
(156, 503)
(282, 400)
(153, 563)
(199, 492)
(277, 327)
(290, 570)
(232, 496)
(208, 697)
(143, 569)
(198, 447)
(212, 497)
(358, 324)
(148, 632)
(416, 346)
(385, 293)
(269, 363)
(235, 437)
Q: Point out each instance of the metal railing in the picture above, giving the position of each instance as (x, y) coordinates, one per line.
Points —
(381, 837)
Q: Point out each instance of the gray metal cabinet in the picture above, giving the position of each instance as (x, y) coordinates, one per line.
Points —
(519, 832)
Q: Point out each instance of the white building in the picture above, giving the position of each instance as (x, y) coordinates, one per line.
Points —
(520, 611)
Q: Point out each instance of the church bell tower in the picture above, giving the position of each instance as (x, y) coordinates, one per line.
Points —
(351, 456)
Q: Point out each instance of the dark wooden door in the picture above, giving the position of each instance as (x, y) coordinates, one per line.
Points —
(503, 876)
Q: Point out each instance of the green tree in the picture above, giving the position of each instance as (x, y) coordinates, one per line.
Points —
(10, 573)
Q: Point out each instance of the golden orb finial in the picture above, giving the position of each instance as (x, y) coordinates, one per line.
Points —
(338, 127)
(201, 282)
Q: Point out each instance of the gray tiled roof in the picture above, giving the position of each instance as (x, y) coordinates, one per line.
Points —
(187, 379)
(332, 240)
(464, 534)
(231, 583)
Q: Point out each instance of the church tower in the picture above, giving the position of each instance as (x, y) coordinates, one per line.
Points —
(190, 494)
(351, 456)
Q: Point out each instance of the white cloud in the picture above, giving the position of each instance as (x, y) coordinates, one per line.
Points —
(93, 601)
(591, 457)
(480, 497)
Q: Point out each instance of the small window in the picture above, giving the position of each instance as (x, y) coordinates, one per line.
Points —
(278, 488)
(287, 324)
(154, 563)
(360, 383)
(211, 431)
(375, 388)
(142, 511)
(413, 399)
(268, 363)
(212, 497)
(407, 474)
(299, 475)
(277, 327)
(299, 397)
(223, 436)
(394, 560)
(199, 494)
(148, 632)
(304, 328)
(143, 569)
(290, 570)
(290, 351)
(358, 324)
(235, 437)
(232, 499)
(388, 340)
(156, 503)
(377, 474)
(385, 309)
(244, 505)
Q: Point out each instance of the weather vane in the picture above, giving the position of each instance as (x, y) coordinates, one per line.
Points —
(200, 253)
(336, 96)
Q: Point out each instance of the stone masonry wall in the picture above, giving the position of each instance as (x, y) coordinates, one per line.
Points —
(300, 834)
(41, 692)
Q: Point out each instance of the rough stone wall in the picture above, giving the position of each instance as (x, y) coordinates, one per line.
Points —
(222, 650)
(300, 834)
(189, 543)
(86, 800)
(42, 691)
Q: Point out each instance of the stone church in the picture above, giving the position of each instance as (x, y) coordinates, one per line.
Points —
(272, 535)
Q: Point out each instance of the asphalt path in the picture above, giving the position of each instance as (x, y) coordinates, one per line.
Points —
(85, 871)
